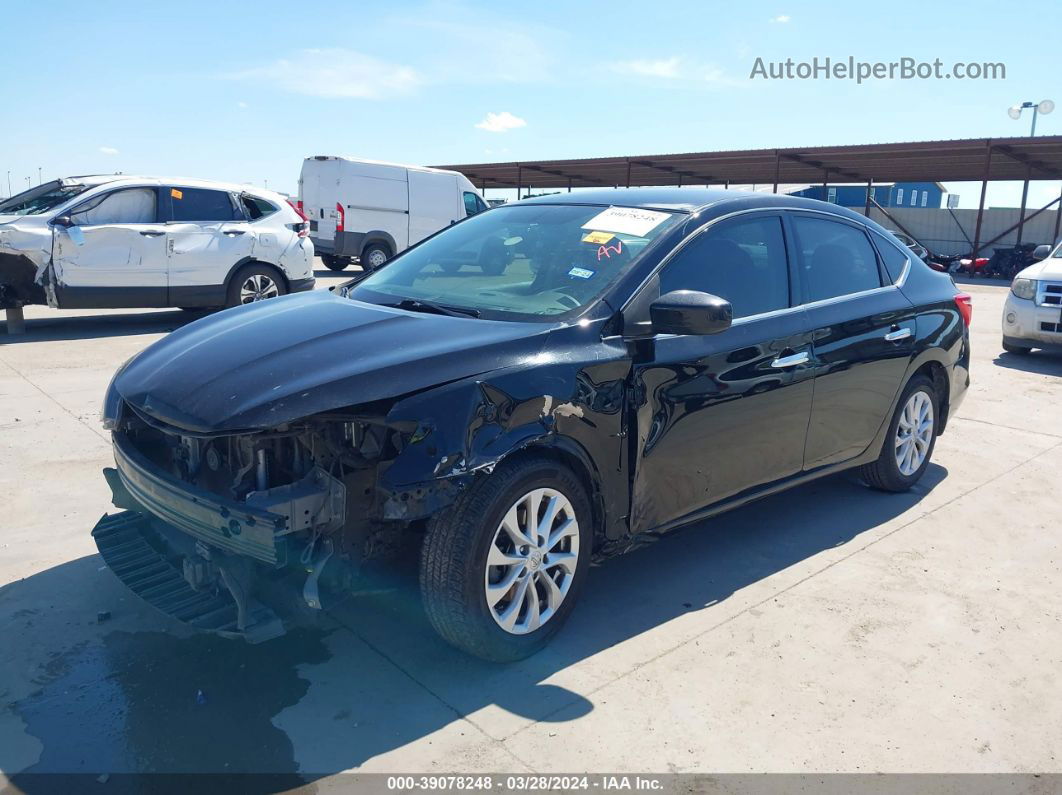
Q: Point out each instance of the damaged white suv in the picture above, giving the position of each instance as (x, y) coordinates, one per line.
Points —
(113, 241)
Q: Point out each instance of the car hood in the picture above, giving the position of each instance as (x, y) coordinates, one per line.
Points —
(1049, 269)
(259, 366)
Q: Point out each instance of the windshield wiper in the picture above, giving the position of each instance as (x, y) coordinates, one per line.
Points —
(420, 305)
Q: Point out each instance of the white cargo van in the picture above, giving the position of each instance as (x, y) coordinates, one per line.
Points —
(373, 210)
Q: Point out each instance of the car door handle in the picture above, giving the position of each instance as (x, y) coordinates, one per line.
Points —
(790, 361)
(152, 232)
(898, 334)
(235, 231)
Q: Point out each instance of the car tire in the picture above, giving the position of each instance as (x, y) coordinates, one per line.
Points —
(334, 263)
(1019, 350)
(458, 583)
(263, 280)
(374, 257)
(894, 471)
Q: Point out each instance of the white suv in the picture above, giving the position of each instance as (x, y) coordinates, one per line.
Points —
(115, 241)
(1032, 314)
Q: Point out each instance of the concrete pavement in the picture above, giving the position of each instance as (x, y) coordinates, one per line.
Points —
(828, 629)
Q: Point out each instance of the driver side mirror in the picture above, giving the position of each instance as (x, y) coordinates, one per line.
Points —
(690, 312)
(63, 220)
(1041, 252)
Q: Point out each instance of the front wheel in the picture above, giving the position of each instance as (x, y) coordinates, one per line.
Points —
(909, 445)
(502, 567)
(255, 283)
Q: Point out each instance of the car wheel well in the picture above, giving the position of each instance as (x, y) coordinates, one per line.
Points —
(935, 372)
(582, 471)
(378, 242)
(282, 278)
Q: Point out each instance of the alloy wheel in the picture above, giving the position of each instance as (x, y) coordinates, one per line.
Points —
(532, 561)
(914, 433)
(258, 287)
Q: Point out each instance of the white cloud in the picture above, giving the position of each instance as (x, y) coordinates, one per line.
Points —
(334, 73)
(108, 150)
(501, 122)
(668, 68)
(781, 19)
(241, 105)
(674, 68)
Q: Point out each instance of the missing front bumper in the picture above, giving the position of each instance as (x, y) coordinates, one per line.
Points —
(125, 542)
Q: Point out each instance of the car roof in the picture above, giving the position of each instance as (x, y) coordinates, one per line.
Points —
(93, 180)
(692, 200)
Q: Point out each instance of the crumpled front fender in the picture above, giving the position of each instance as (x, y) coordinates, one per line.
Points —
(464, 429)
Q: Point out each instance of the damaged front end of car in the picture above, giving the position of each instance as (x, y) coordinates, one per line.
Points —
(231, 532)
(25, 266)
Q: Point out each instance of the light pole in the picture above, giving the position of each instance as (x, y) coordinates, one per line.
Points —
(1014, 111)
(39, 180)
(1043, 106)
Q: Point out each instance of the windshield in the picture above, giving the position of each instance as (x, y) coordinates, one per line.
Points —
(40, 199)
(520, 262)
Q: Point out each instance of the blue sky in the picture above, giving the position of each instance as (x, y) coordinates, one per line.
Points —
(222, 91)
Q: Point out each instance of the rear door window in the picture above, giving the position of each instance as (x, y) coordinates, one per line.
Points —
(129, 206)
(836, 258)
(200, 204)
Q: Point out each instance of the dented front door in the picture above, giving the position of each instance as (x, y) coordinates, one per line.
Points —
(110, 265)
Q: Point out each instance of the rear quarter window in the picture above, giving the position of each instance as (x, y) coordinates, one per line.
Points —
(256, 207)
(894, 258)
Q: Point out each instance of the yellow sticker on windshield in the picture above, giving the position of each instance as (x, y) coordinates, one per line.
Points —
(176, 193)
(598, 238)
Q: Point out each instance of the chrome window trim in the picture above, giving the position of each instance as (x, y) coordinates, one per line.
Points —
(774, 312)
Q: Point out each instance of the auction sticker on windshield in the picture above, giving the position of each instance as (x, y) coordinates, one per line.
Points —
(626, 220)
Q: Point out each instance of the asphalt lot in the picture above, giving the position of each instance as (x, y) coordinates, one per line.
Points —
(828, 629)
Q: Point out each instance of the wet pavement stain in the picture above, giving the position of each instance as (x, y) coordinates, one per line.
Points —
(151, 702)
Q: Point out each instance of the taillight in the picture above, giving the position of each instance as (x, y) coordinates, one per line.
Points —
(340, 217)
(965, 305)
(302, 228)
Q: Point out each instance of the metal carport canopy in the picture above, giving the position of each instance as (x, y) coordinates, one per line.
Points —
(930, 161)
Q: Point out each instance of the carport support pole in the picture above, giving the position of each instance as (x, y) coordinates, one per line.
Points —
(569, 184)
(628, 173)
(16, 322)
(1058, 217)
(1024, 198)
(519, 180)
(981, 205)
(777, 170)
(870, 190)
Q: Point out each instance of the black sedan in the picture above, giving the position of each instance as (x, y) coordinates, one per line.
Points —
(521, 393)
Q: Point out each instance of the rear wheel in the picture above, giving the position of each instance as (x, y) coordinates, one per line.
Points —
(255, 282)
(334, 263)
(374, 256)
(909, 445)
(1020, 350)
(501, 568)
